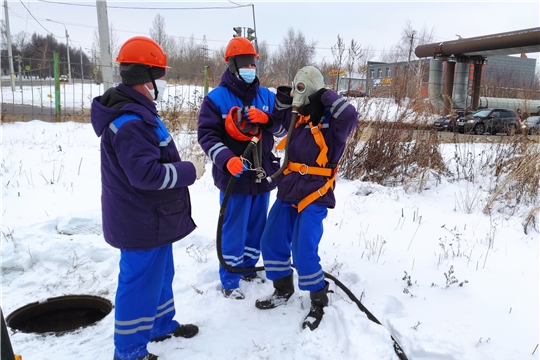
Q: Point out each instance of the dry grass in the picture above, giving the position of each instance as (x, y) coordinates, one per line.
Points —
(515, 165)
(404, 152)
(393, 149)
(11, 118)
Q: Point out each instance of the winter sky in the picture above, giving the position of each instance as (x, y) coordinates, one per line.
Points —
(372, 24)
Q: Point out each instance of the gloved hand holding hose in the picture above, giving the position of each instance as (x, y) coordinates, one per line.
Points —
(236, 166)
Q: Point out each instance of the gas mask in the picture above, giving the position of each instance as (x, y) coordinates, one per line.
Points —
(307, 81)
(161, 85)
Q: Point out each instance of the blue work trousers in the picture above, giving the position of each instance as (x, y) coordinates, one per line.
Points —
(144, 306)
(243, 224)
(288, 231)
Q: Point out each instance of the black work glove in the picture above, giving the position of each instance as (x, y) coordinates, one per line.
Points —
(317, 107)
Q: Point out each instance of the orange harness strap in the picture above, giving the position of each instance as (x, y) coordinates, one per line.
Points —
(318, 193)
(303, 169)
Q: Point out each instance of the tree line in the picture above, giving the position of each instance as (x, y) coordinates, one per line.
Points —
(188, 58)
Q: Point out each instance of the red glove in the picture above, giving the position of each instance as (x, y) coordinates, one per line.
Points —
(257, 116)
(236, 166)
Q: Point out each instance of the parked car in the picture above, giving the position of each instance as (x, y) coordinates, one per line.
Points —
(532, 125)
(64, 78)
(449, 122)
(492, 121)
(352, 93)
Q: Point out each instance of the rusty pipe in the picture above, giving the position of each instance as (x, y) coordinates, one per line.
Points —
(527, 40)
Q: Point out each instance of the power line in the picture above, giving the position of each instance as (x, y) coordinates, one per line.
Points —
(29, 24)
(150, 8)
(32, 15)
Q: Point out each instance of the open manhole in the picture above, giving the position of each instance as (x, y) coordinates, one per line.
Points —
(59, 314)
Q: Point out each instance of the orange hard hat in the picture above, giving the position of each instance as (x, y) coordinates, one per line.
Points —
(239, 46)
(142, 50)
(238, 127)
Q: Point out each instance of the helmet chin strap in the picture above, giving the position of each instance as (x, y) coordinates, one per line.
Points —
(237, 69)
(156, 92)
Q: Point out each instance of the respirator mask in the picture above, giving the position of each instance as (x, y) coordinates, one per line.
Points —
(161, 85)
(307, 81)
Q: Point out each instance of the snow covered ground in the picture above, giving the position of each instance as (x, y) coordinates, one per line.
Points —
(398, 251)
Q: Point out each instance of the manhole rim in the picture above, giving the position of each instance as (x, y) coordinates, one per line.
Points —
(58, 303)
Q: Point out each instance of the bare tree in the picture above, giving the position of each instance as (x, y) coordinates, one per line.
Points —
(263, 60)
(115, 47)
(338, 52)
(293, 54)
(113, 38)
(410, 39)
(355, 53)
(157, 32)
(19, 41)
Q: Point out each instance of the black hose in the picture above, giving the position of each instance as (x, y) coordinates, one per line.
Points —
(249, 148)
(285, 162)
(397, 348)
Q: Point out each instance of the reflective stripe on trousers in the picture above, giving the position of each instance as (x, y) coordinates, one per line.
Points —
(243, 225)
(144, 305)
(288, 231)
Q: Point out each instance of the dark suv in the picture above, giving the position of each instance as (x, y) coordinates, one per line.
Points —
(449, 122)
(492, 121)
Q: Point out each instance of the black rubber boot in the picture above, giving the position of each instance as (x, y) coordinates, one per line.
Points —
(183, 330)
(284, 289)
(319, 300)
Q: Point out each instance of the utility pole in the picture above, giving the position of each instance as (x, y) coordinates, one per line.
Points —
(411, 45)
(82, 74)
(67, 44)
(104, 44)
(249, 34)
(10, 54)
(19, 61)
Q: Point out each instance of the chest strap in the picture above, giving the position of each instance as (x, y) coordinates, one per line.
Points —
(324, 169)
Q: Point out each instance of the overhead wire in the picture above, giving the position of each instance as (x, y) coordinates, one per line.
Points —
(32, 15)
(149, 8)
(131, 7)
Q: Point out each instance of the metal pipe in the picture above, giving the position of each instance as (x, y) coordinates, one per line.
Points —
(521, 41)
(459, 94)
(448, 86)
(435, 83)
(436, 98)
(477, 78)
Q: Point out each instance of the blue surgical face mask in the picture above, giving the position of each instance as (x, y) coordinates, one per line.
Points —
(247, 74)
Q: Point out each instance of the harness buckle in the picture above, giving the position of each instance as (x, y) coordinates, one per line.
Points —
(305, 172)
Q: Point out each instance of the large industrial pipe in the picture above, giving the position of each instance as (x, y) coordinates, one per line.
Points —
(436, 97)
(448, 86)
(477, 79)
(459, 95)
(526, 41)
(435, 83)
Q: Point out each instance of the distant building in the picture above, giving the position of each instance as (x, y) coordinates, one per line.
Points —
(513, 71)
(352, 81)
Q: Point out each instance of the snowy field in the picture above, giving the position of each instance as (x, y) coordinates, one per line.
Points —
(445, 280)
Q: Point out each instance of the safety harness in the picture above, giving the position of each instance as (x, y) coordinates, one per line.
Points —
(326, 169)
